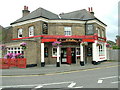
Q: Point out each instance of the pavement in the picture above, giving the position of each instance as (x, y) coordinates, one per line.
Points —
(50, 69)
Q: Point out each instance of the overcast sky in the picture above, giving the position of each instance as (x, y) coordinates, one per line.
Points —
(105, 10)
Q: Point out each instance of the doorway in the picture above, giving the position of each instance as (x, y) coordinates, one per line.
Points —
(68, 55)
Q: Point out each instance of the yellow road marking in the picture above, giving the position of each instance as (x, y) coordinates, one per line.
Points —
(56, 73)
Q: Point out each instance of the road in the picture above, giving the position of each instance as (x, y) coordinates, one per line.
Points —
(106, 77)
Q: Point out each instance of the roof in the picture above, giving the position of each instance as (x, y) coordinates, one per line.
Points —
(75, 15)
(40, 12)
(79, 14)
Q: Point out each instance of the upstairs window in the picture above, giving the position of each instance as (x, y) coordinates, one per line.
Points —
(31, 31)
(103, 35)
(67, 31)
(20, 32)
(90, 30)
(98, 31)
(45, 28)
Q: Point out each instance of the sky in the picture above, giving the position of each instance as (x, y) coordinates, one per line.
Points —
(105, 10)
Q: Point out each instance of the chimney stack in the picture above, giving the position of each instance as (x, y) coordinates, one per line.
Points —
(25, 11)
(91, 10)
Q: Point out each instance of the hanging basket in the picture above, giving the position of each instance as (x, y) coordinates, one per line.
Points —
(84, 44)
(23, 45)
(56, 44)
(3, 47)
(98, 44)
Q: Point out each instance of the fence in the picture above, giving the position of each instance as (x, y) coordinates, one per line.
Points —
(113, 54)
(7, 63)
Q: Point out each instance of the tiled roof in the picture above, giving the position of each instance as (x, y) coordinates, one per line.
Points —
(79, 14)
(75, 15)
(40, 12)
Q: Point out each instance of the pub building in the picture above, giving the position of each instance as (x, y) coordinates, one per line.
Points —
(80, 37)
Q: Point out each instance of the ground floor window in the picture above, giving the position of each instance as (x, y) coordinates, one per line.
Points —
(46, 52)
(101, 50)
(77, 51)
(54, 52)
(15, 50)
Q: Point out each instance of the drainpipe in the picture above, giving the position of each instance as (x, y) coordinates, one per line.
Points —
(85, 26)
(85, 54)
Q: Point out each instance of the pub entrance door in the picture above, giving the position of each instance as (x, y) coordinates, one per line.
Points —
(68, 55)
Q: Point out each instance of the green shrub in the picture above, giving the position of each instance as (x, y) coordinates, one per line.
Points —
(115, 47)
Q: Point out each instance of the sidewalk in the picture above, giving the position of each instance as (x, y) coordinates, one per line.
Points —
(52, 69)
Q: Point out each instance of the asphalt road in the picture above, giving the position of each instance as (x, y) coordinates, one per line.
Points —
(106, 77)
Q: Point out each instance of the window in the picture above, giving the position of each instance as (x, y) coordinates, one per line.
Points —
(77, 51)
(102, 33)
(67, 31)
(20, 33)
(15, 50)
(98, 31)
(45, 28)
(101, 50)
(31, 31)
(46, 52)
(54, 52)
(89, 30)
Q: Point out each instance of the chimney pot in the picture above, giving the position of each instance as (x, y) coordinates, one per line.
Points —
(27, 8)
(24, 7)
(25, 11)
(89, 9)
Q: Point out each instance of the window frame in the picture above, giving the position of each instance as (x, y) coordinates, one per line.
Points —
(44, 28)
(90, 29)
(31, 29)
(78, 48)
(20, 32)
(15, 49)
(54, 55)
(101, 50)
(98, 31)
(46, 54)
(67, 31)
(103, 34)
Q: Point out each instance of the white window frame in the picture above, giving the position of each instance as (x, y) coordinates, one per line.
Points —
(101, 50)
(31, 31)
(98, 31)
(14, 50)
(20, 32)
(54, 55)
(67, 31)
(102, 33)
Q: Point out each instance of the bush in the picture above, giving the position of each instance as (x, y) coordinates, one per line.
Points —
(115, 47)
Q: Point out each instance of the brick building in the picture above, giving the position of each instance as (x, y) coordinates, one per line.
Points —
(118, 41)
(82, 37)
(5, 37)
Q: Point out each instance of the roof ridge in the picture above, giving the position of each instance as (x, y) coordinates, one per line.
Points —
(75, 11)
